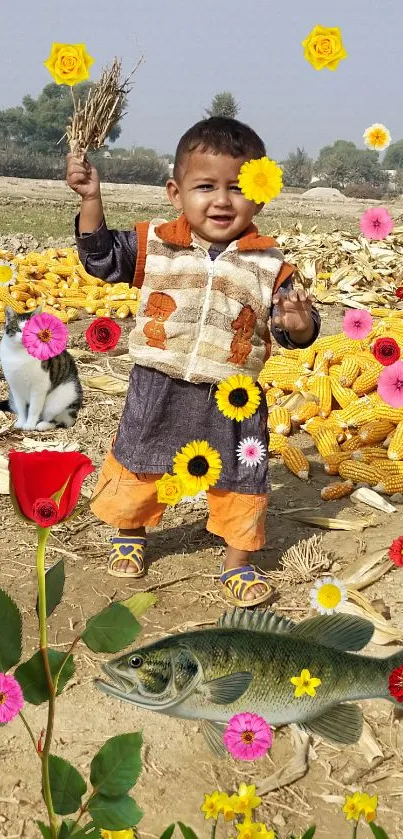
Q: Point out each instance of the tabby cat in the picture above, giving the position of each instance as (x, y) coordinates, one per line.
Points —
(43, 394)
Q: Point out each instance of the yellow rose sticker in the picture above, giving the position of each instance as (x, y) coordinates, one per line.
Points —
(169, 489)
(69, 63)
(324, 47)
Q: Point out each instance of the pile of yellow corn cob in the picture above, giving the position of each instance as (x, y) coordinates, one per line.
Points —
(56, 281)
(359, 437)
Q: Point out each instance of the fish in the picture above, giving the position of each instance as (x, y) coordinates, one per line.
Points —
(245, 664)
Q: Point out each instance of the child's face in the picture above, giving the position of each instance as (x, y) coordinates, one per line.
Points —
(208, 194)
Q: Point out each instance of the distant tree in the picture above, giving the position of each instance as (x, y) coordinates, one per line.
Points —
(297, 169)
(39, 124)
(343, 163)
(394, 156)
(169, 157)
(223, 105)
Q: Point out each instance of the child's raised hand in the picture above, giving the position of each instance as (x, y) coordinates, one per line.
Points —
(83, 178)
(293, 311)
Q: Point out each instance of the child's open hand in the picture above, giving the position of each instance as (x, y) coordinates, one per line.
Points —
(293, 312)
(82, 178)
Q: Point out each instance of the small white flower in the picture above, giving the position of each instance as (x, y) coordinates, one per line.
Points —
(377, 137)
(250, 451)
(8, 273)
(328, 595)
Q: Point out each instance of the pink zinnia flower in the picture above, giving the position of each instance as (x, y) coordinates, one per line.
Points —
(11, 698)
(376, 223)
(357, 323)
(45, 336)
(248, 736)
(250, 451)
(390, 385)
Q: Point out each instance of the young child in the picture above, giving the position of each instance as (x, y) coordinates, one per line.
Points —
(210, 284)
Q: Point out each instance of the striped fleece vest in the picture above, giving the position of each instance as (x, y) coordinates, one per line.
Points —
(202, 320)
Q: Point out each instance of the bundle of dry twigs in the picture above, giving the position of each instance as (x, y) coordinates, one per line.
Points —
(104, 107)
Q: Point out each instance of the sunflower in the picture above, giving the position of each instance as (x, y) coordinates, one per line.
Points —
(8, 273)
(260, 180)
(238, 397)
(198, 466)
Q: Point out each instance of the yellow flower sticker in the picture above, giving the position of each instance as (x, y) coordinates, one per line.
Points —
(305, 684)
(260, 180)
(8, 273)
(377, 137)
(213, 804)
(118, 834)
(169, 490)
(69, 63)
(324, 47)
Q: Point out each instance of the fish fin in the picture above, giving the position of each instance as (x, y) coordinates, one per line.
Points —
(341, 632)
(227, 689)
(342, 724)
(213, 733)
(256, 620)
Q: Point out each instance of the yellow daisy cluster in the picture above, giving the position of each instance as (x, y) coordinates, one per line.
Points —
(360, 804)
(358, 436)
(56, 280)
(231, 807)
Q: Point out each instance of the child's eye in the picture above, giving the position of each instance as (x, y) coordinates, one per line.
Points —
(235, 188)
(205, 186)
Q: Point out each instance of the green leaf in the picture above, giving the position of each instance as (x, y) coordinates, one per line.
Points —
(86, 831)
(310, 832)
(168, 832)
(11, 632)
(32, 679)
(54, 579)
(187, 832)
(378, 832)
(116, 767)
(111, 630)
(45, 829)
(114, 813)
(138, 604)
(67, 786)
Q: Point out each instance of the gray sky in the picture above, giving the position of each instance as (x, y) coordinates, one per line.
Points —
(195, 48)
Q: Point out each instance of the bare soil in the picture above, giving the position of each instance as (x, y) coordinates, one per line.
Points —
(183, 566)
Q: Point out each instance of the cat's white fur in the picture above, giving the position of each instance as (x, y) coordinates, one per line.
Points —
(29, 384)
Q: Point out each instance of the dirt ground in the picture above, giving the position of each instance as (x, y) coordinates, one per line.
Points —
(183, 566)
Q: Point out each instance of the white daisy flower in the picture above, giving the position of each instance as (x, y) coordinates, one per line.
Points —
(377, 137)
(250, 451)
(328, 595)
(8, 273)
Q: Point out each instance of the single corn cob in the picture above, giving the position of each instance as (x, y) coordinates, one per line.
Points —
(390, 467)
(322, 388)
(332, 462)
(273, 394)
(326, 442)
(375, 431)
(395, 448)
(352, 443)
(360, 473)
(277, 443)
(280, 420)
(123, 311)
(285, 381)
(336, 490)
(305, 412)
(389, 484)
(350, 369)
(296, 462)
(307, 357)
(367, 381)
(368, 454)
(294, 354)
(351, 415)
(343, 395)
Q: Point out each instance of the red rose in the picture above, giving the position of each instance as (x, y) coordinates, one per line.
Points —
(103, 334)
(386, 351)
(37, 476)
(395, 551)
(396, 684)
(45, 512)
(399, 292)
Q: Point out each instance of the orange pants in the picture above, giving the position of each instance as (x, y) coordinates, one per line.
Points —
(129, 501)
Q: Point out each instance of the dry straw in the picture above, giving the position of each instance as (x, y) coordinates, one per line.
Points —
(104, 106)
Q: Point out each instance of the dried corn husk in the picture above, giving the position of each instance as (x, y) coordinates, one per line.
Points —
(367, 570)
(372, 499)
(385, 632)
(108, 384)
(334, 524)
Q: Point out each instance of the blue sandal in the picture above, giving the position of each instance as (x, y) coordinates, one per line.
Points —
(131, 549)
(238, 581)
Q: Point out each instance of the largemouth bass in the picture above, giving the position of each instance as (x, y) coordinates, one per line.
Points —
(246, 663)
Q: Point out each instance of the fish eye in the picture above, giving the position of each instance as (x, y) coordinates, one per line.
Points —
(136, 661)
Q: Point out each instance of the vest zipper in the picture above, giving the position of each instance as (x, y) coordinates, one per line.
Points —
(206, 303)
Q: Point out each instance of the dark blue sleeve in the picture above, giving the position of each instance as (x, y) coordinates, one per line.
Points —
(108, 254)
(280, 335)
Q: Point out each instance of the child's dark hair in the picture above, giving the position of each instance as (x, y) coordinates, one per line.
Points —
(219, 135)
